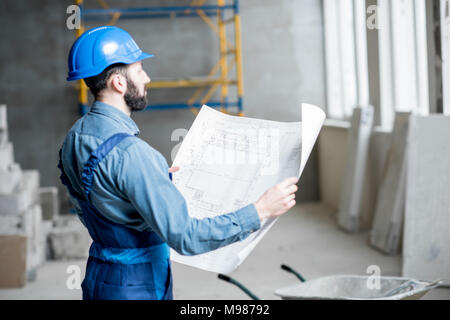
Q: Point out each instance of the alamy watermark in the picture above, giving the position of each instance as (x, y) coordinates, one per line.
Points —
(374, 280)
(372, 19)
(73, 21)
(73, 281)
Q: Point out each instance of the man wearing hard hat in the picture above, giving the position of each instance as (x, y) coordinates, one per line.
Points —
(121, 186)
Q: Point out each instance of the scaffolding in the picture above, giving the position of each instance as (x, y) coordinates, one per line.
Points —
(219, 76)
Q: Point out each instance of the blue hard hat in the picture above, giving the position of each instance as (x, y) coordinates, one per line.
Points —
(100, 47)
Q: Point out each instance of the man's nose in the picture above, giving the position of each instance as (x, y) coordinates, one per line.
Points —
(147, 78)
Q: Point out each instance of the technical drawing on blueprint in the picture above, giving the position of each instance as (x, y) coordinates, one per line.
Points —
(228, 162)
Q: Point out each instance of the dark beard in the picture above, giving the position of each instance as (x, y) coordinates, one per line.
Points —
(132, 98)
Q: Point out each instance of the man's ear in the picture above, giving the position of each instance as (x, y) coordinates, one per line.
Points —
(118, 83)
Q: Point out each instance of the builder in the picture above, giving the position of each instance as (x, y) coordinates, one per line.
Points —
(121, 186)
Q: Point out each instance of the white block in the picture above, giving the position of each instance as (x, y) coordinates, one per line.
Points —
(21, 223)
(357, 149)
(11, 224)
(47, 227)
(29, 224)
(23, 196)
(69, 239)
(426, 241)
(6, 156)
(33, 229)
(389, 210)
(10, 179)
(49, 202)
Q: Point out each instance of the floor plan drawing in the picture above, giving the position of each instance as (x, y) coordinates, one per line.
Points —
(228, 162)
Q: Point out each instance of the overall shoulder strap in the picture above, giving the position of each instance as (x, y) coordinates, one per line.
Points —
(96, 156)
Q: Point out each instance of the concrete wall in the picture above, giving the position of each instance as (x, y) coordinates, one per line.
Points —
(282, 59)
(33, 48)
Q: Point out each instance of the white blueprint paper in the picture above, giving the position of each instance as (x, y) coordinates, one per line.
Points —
(228, 162)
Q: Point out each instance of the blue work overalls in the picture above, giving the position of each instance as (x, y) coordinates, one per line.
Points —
(123, 263)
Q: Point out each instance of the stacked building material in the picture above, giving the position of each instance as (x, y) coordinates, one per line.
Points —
(30, 220)
(68, 239)
(20, 210)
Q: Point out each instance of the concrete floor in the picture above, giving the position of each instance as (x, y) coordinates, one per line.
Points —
(306, 239)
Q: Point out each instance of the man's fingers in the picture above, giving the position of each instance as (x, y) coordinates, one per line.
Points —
(288, 200)
(289, 181)
(291, 204)
(174, 169)
(292, 188)
(290, 197)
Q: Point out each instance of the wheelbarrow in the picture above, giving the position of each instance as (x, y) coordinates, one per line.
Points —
(347, 287)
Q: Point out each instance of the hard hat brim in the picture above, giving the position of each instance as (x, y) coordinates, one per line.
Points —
(81, 74)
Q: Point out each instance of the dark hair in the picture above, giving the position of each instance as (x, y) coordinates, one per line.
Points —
(99, 82)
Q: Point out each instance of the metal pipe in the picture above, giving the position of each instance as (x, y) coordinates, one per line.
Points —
(289, 269)
(212, 104)
(238, 56)
(110, 11)
(223, 52)
(238, 284)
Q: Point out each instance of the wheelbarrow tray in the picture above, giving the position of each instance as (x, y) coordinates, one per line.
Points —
(354, 287)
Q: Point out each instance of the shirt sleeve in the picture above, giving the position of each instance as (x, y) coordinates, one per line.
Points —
(143, 177)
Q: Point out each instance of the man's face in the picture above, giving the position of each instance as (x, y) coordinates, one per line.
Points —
(137, 79)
